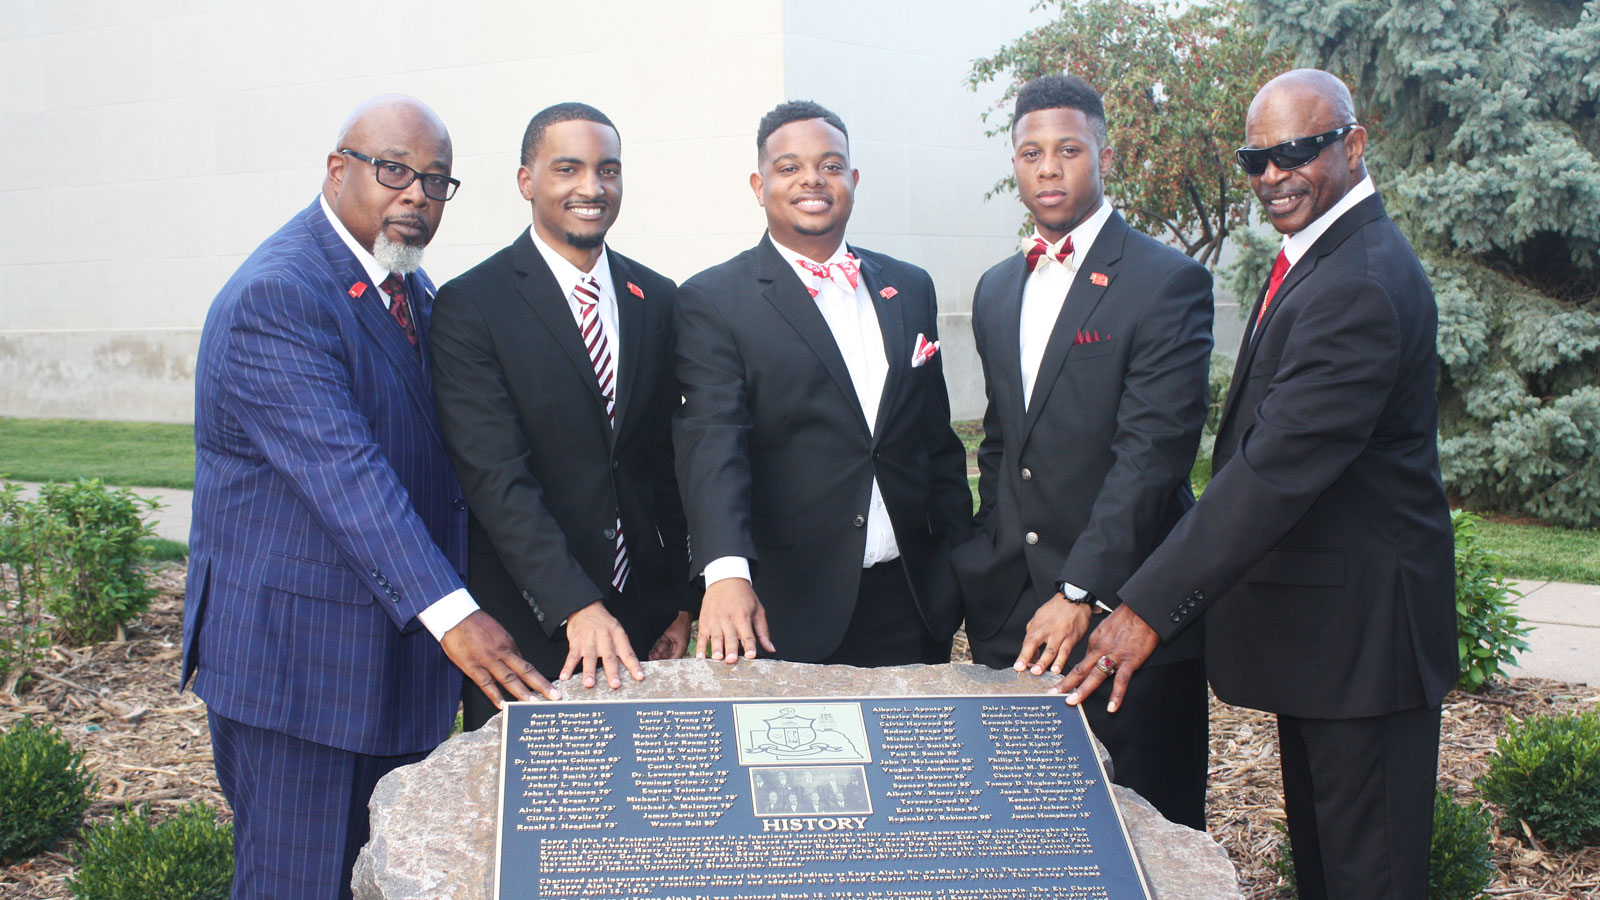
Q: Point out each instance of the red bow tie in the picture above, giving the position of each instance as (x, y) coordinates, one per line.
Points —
(1040, 249)
(847, 269)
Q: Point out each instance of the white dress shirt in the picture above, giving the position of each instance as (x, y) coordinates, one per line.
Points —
(1043, 295)
(448, 611)
(1046, 290)
(1295, 245)
(568, 276)
(853, 320)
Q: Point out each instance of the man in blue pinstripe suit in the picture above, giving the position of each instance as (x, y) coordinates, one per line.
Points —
(326, 625)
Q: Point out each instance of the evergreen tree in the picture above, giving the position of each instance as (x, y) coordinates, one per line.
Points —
(1486, 148)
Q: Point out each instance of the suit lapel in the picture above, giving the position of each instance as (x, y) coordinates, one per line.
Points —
(897, 343)
(1082, 298)
(630, 344)
(1348, 224)
(376, 320)
(539, 289)
(782, 288)
(1006, 350)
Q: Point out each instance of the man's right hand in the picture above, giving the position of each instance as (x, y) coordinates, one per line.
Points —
(732, 618)
(485, 653)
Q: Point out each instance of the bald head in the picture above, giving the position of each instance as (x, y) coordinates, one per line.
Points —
(393, 224)
(1300, 104)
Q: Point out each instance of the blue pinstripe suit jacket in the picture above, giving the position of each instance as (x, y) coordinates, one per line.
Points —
(326, 511)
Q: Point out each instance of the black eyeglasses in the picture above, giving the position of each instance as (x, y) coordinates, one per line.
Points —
(1289, 154)
(399, 176)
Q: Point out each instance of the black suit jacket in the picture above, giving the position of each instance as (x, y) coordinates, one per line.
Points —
(1323, 544)
(1096, 467)
(776, 459)
(544, 473)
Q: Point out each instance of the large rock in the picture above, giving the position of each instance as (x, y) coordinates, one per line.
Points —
(433, 822)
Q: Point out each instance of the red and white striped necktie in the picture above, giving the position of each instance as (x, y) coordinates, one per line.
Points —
(593, 331)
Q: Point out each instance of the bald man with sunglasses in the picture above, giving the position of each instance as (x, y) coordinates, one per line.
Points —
(1321, 552)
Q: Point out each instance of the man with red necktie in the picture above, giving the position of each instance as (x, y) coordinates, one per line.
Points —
(823, 483)
(1096, 344)
(553, 374)
(1321, 551)
(325, 622)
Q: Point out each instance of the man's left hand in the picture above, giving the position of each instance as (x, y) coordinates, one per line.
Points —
(1053, 631)
(674, 640)
(1124, 641)
(594, 635)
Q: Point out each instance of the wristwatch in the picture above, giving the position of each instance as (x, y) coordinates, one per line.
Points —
(1075, 594)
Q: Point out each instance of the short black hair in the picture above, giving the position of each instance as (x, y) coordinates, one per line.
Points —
(1062, 92)
(796, 111)
(554, 115)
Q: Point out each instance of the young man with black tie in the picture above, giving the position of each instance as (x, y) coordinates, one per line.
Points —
(1096, 344)
(823, 483)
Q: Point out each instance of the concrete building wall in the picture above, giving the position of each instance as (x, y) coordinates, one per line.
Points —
(150, 146)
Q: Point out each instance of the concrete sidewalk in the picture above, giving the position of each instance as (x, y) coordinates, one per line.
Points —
(1564, 644)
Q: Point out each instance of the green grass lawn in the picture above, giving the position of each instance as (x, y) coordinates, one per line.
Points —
(1544, 552)
(138, 454)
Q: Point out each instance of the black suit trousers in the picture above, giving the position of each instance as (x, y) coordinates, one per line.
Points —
(1158, 740)
(1359, 798)
(886, 629)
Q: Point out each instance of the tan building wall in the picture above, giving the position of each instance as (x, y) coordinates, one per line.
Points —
(149, 146)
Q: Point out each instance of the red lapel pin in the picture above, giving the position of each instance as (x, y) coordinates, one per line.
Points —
(634, 289)
(357, 289)
(888, 293)
(1099, 279)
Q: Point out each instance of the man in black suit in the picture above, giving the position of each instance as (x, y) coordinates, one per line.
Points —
(1322, 548)
(553, 375)
(1096, 344)
(822, 481)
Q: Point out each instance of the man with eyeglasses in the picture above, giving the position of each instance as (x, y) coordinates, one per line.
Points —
(1321, 552)
(325, 621)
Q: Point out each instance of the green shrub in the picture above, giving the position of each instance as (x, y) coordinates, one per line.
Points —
(187, 857)
(98, 546)
(1460, 856)
(44, 788)
(1488, 630)
(23, 635)
(1547, 773)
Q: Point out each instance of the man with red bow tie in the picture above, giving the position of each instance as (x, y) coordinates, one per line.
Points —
(823, 484)
(1096, 343)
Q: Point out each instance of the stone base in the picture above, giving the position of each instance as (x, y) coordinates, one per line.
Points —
(433, 823)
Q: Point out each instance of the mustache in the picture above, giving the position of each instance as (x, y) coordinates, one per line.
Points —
(413, 220)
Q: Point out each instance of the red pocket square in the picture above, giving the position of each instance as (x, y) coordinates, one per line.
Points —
(924, 351)
(1089, 337)
(357, 289)
(634, 289)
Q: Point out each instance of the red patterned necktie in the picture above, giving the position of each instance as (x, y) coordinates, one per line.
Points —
(1040, 249)
(1280, 268)
(847, 269)
(399, 307)
(587, 293)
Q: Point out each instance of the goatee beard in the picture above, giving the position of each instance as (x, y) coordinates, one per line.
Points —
(396, 257)
(586, 241)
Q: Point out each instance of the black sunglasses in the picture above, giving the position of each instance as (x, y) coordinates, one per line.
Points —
(399, 176)
(1289, 154)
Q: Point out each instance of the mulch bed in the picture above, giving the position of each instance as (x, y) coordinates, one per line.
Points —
(149, 745)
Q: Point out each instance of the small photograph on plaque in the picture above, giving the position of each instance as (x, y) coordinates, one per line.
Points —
(789, 732)
(810, 791)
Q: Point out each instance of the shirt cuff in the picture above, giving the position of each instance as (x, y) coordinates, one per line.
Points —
(447, 612)
(727, 567)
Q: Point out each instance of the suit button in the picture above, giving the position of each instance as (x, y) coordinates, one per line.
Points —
(1190, 603)
(459, 503)
(1198, 595)
(611, 534)
(615, 465)
(859, 521)
(1176, 618)
(1031, 537)
(1027, 474)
